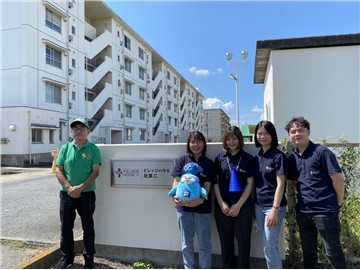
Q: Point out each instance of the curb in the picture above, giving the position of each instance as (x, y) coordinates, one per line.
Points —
(42, 260)
(48, 257)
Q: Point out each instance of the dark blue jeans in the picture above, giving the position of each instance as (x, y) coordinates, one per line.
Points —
(328, 225)
(85, 206)
(240, 227)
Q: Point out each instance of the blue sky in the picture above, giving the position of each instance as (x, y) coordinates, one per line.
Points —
(194, 37)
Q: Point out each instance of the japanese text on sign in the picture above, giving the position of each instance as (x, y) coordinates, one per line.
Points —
(144, 173)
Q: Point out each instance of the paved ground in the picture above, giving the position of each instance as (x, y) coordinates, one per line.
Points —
(29, 214)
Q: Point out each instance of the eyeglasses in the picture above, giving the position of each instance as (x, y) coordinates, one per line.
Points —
(79, 129)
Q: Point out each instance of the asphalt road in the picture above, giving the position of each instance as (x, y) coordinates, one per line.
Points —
(29, 212)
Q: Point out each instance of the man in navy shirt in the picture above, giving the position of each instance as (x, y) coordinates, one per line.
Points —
(320, 194)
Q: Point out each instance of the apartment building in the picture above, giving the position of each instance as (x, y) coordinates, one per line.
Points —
(68, 59)
(216, 122)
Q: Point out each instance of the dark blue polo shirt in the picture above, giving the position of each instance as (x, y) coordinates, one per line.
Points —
(206, 174)
(244, 171)
(267, 167)
(312, 170)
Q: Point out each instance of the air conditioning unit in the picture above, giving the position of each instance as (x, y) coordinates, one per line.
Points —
(71, 38)
(71, 71)
(71, 4)
(148, 81)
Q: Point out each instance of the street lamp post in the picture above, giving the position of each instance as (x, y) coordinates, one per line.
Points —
(228, 56)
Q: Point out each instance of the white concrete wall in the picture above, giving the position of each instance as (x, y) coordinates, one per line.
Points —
(143, 217)
(321, 84)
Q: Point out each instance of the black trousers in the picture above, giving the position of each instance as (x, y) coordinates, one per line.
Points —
(231, 228)
(85, 206)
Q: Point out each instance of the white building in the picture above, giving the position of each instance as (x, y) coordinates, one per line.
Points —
(314, 77)
(216, 121)
(67, 59)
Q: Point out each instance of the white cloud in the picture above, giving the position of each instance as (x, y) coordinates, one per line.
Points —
(215, 103)
(256, 109)
(204, 72)
(198, 71)
(219, 70)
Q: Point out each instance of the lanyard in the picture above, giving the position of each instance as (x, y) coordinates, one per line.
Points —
(237, 167)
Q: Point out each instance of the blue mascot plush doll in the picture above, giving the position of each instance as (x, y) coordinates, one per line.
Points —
(189, 185)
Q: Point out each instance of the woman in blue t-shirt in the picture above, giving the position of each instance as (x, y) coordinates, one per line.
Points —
(194, 216)
(270, 202)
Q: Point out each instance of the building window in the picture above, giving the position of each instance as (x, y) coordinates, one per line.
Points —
(174, 80)
(168, 91)
(53, 21)
(61, 130)
(141, 93)
(175, 122)
(73, 63)
(53, 93)
(128, 65)
(142, 134)
(169, 121)
(73, 95)
(141, 74)
(73, 30)
(127, 42)
(169, 106)
(142, 113)
(128, 111)
(36, 136)
(51, 136)
(128, 88)
(176, 108)
(128, 134)
(168, 75)
(141, 53)
(175, 93)
(53, 57)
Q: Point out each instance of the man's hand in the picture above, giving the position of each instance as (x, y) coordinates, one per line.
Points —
(75, 192)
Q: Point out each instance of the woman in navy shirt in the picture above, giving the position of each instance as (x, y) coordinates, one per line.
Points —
(270, 202)
(195, 216)
(234, 210)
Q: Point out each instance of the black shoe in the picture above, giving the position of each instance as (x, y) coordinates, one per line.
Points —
(89, 264)
(64, 263)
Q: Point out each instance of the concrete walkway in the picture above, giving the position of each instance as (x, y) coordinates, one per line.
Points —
(30, 224)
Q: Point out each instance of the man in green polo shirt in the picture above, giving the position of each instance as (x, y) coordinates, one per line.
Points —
(77, 167)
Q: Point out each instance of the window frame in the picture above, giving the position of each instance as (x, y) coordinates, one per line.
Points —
(36, 136)
(127, 42)
(53, 57)
(128, 111)
(52, 20)
(53, 93)
(128, 88)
